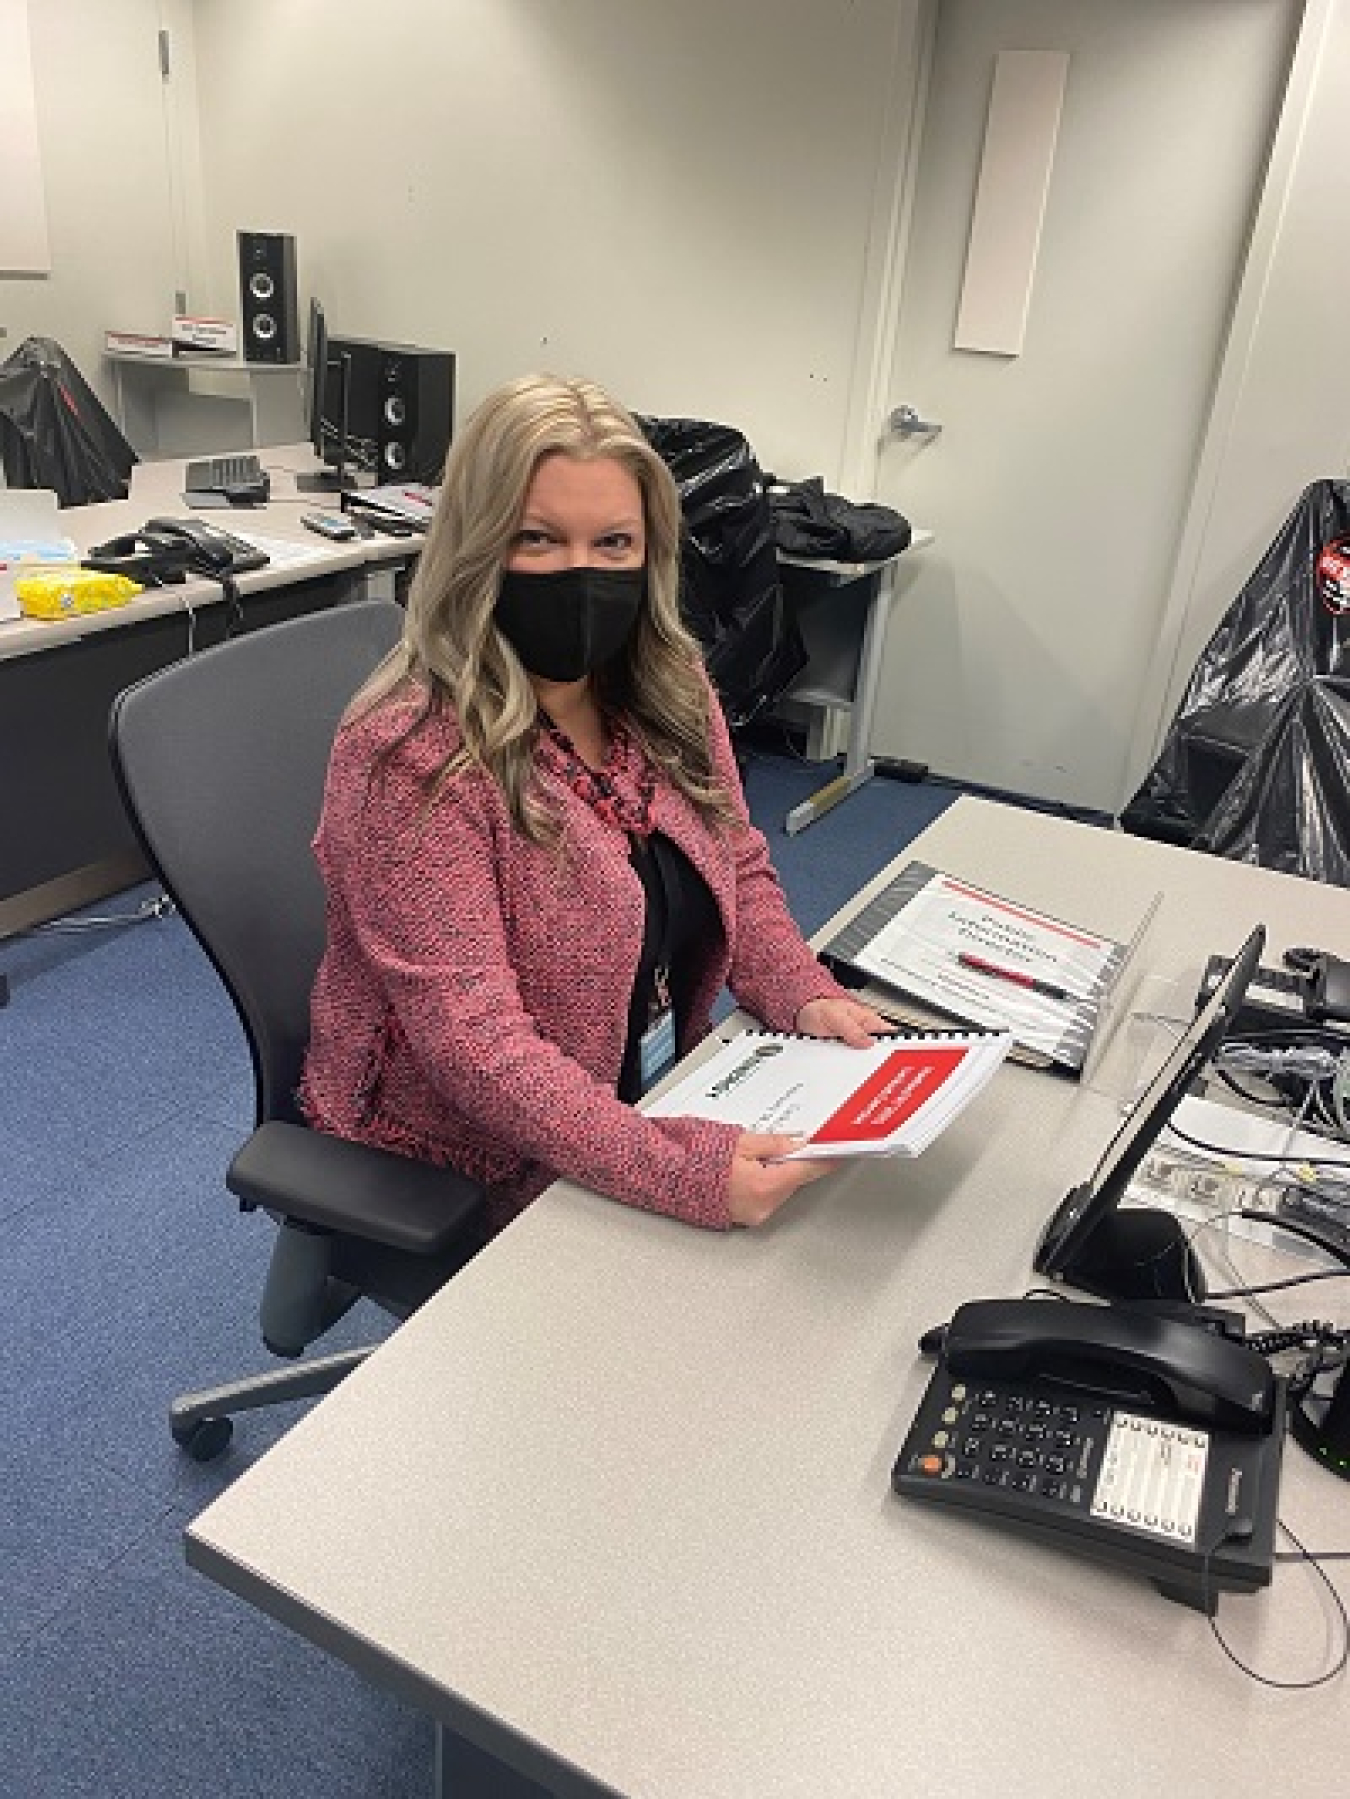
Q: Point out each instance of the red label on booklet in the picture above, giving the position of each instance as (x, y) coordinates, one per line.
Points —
(891, 1095)
(890, 1099)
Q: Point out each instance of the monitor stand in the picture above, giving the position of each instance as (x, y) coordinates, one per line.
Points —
(326, 480)
(339, 479)
(1137, 1252)
(1323, 1427)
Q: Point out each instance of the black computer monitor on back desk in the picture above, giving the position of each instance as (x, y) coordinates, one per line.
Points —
(329, 403)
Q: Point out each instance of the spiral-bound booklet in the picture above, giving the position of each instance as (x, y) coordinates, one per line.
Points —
(891, 1099)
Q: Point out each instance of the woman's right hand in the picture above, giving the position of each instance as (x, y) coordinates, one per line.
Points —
(760, 1181)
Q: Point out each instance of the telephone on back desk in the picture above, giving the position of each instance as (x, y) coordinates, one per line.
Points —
(167, 549)
(1136, 1437)
(210, 551)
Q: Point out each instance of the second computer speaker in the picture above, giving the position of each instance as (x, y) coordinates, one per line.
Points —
(400, 406)
(268, 297)
(417, 403)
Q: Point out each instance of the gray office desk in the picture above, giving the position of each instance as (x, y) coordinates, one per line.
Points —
(615, 1505)
(64, 838)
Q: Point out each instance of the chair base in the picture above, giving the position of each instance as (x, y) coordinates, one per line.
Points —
(200, 1422)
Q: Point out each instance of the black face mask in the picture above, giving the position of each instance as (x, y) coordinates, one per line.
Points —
(565, 624)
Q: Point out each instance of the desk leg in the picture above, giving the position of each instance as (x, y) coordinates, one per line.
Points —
(466, 1772)
(857, 769)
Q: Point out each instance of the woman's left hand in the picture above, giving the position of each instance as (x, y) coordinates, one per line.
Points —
(847, 1019)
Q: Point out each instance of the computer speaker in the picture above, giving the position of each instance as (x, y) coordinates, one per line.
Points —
(268, 297)
(416, 401)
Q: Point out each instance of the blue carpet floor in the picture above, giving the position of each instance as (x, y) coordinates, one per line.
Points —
(132, 1276)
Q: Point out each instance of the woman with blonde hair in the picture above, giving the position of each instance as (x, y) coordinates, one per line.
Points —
(539, 866)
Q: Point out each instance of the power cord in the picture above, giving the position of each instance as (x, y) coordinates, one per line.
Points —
(1342, 1654)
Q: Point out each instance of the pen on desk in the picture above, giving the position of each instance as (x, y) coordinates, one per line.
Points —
(1019, 978)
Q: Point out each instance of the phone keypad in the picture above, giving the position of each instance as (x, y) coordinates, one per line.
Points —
(1012, 1447)
(1011, 1439)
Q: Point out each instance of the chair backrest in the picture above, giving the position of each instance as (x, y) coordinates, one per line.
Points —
(221, 760)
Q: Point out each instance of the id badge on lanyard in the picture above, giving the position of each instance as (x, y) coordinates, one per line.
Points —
(657, 1051)
(656, 1046)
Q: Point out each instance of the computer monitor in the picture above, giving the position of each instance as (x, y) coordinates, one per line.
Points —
(1140, 1252)
(329, 403)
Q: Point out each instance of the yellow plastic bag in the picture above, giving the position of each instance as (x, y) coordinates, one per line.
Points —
(68, 592)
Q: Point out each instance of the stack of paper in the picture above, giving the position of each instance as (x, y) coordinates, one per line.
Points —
(891, 1099)
(411, 501)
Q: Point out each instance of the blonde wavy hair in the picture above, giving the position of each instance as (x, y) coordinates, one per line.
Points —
(452, 652)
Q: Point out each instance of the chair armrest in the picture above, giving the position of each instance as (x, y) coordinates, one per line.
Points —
(356, 1189)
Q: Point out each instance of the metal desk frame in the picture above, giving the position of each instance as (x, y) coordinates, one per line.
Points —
(861, 703)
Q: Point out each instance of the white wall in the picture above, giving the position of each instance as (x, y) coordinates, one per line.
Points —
(1060, 483)
(101, 137)
(675, 199)
(1281, 412)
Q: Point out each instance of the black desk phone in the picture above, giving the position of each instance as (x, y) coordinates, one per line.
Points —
(1134, 1437)
(210, 550)
(164, 549)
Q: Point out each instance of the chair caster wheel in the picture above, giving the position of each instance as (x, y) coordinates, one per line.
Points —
(203, 1438)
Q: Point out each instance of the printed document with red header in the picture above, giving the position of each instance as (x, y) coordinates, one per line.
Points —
(891, 1099)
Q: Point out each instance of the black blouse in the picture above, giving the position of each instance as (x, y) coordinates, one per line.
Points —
(681, 912)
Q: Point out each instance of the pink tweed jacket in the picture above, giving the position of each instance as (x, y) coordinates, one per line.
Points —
(472, 1003)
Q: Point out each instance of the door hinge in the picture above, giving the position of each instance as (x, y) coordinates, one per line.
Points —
(164, 69)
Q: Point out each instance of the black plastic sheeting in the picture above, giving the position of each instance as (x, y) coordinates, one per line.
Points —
(731, 595)
(1256, 764)
(54, 430)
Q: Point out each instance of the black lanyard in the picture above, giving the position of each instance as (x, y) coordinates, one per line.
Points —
(654, 852)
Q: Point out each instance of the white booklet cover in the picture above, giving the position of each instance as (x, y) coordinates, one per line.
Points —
(988, 960)
(891, 1099)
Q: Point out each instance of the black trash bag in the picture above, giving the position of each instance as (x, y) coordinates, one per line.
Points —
(731, 596)
(55, 432)
(1289, 807)
(807, 521)
(1256, 765)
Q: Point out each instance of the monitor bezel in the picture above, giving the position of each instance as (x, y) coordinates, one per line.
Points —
(1063, 1249)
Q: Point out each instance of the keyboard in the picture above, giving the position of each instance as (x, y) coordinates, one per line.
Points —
(236, 477)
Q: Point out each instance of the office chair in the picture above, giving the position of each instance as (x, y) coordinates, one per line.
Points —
(221, 761)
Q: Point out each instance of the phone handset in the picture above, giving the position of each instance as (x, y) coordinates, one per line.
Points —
(1192, 1374)
(210, 550)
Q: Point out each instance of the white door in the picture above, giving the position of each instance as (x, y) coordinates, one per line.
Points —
(1059, 484)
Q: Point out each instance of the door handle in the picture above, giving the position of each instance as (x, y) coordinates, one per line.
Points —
(906, 422)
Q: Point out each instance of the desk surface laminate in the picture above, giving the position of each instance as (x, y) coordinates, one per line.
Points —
(615, 1505)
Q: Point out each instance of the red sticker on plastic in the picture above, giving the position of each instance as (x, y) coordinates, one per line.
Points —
(1333, 575)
